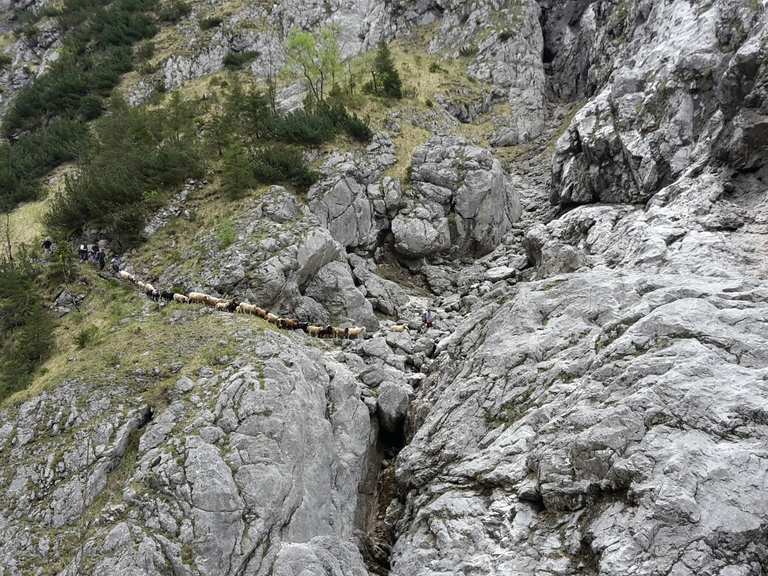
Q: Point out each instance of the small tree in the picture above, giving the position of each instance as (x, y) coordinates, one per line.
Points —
(316, 58)
(385, 80)
(237, 174)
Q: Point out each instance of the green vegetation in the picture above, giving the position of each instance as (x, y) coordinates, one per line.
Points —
(174, 11)
(385, 80)
(26, 327)
(45, 122)
(236, 60)
(225, 233)
(261, 145)
(33, 155)
(317, 59)
(137, 156)
(208, 23)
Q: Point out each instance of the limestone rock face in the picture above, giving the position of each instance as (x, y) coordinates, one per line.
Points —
(334, 288)
(679, 82)
(354, 201)
(585, 411)
(219, 483)
(460, 197)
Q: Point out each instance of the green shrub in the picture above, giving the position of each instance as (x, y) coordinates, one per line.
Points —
(280, 163)
(5, 61)
(236, 60)
(26, 326)
(505, 35)
(434, 68)
(174, 11)
(133, 150)
(86, 337)
(225, 233)
(145, 51)
(208, 23)
(237, 176)
(33, 155)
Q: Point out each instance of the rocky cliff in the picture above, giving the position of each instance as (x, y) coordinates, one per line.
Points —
(583, 209)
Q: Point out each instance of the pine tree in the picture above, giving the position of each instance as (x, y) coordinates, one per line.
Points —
(386, 80)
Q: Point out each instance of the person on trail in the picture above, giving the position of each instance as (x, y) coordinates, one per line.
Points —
(101, 259)
(95, 253)
(115, 265)
(427, 318)
(47, 245)
(83, 253)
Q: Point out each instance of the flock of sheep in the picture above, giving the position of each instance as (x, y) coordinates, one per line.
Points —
(243, 308)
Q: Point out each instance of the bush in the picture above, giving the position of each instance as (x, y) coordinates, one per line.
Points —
(505, 35)
(26, 326)
(237, 176)
(86, 337)
(280, 163)
(225, 234)
(133, 150)
(33, 155)
(208, 23)
(434, 68)
(145, 51)
(174, 11)
(97, 51)
(236, 60)
(5, 61)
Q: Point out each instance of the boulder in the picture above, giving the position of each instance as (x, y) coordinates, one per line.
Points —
(334, 288)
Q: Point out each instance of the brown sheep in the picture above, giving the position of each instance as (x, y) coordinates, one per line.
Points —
(197, 298)
(261, 313)
(340, 332)
(356, 332)
(314, 331)
(399, 328)
(180, 298)
(290, 324)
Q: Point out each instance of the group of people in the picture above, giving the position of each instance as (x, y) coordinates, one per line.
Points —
(93, 254)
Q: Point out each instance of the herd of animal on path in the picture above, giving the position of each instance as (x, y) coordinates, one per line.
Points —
(234, 306)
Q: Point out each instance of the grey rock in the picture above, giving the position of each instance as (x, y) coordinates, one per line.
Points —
(334, 288)
(392, 406)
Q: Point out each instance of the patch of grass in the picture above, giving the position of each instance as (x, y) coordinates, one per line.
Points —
(406, 142)
(86, 337)
(225, 233)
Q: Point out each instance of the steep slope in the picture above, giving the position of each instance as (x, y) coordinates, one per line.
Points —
(575, 188)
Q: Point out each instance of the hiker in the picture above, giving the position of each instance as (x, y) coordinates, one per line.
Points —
(101, 259)
(48, 245)
(115, 265)
(83, 253)
(95, 253)
(427, 318)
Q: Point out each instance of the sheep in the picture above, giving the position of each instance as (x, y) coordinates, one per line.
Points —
(123, 275)
(290, 324)
(356, 332)
(261, 313)
(399, 328)
(167, 296)
(222, 306)
(327, 332)
(314, 331)
(272, 319)
(197, 298)
(304, 326)
(212, 301)
(245, 308)
(180, 298)
(340, 332)
(232, 306)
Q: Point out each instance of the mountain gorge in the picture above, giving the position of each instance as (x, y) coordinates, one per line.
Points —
(578, 189)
